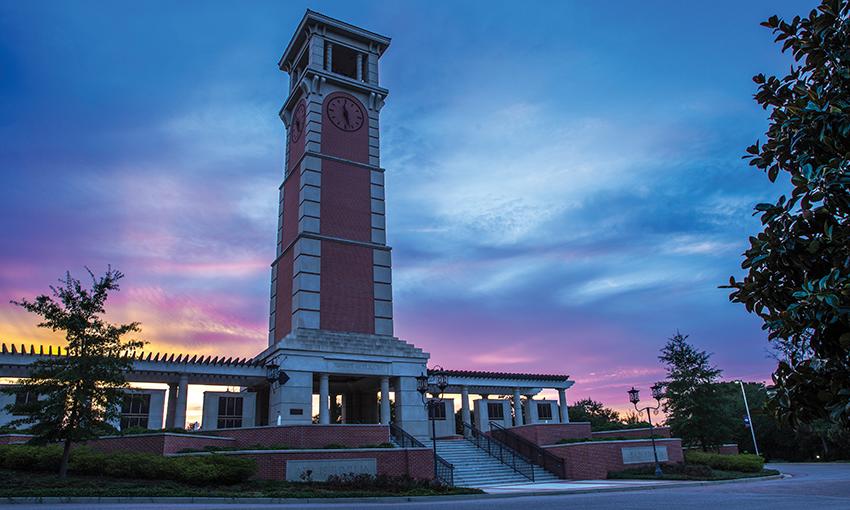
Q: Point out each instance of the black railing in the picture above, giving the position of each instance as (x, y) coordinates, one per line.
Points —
(499, 450)
(445, 470)
(529, 450)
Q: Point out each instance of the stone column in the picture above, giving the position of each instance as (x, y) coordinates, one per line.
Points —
(483, 414)
(324, 408)
(464, 407)
(518, 408)
(172, 406)
(562, 405)
(531, 415)
(182, 401)
(359, 67)
(385, 400)
(328, 55)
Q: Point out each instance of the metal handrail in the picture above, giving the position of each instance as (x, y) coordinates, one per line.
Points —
(445, 470)
(499, 450)
(529, 450)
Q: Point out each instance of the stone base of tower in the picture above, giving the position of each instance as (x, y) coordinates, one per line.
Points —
(346, 378)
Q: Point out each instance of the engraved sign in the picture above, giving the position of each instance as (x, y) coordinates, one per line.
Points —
(320, 470)
(357, 367)
(643, 454)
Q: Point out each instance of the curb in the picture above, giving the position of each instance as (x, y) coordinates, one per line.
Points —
(375, 500)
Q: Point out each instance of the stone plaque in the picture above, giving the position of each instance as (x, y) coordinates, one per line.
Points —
(357, 367)
(643, 454)
(320, 470)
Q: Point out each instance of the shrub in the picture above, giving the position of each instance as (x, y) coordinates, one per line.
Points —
(745, 463)
(681, 470)
(197, 470)
(30, 458)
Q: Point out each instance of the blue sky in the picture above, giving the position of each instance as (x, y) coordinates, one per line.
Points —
(565, 188)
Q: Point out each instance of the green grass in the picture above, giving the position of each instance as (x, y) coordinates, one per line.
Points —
(28, 484)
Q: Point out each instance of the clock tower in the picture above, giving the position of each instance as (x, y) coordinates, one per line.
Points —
(331, 313)
(332, 266)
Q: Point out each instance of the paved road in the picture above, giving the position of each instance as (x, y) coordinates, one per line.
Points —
(812, 487)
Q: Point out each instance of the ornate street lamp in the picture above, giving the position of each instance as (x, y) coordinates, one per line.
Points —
(657, 393)
(434, 383)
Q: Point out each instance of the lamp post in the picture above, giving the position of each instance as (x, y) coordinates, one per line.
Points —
(749, 419)
(657, 394)
(435, 384)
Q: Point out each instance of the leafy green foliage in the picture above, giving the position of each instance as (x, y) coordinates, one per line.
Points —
(798, 279)
(80, 392)
(686, 472)
(746, 463)
(696, 407)
(195, 470)
(599, 416)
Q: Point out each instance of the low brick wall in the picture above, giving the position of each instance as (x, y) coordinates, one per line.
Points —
(159, 443)
(308, 436)
(14, 438)
(593, 460)
(271, 464)
(643, 433)
(551, 433)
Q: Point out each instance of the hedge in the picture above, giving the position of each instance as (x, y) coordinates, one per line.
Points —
(196, 470)
(745, 463)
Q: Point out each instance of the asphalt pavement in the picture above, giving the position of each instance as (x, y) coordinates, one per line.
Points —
(808, 487)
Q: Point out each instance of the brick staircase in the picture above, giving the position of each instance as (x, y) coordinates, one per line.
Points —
(474, 467)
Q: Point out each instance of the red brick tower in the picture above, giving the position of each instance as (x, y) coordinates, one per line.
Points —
(332, 266)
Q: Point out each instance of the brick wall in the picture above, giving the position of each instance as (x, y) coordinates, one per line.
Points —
(728, 449)
(14, 438)
(551, 433)
(593, 460)
(346, 206)
(157, 443)
(308, 436)
(633, 433)
(347, 287)
(413, 462)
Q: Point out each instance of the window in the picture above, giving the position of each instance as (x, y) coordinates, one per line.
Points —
(437, 411)
(496, 410)
(135, 409)
(23, 398)
(544, 411)
(347, 62)
(229, 412)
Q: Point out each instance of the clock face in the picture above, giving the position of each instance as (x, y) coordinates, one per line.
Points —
(345, 114)
(298, 122)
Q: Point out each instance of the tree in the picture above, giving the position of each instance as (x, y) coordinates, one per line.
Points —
(82, 390)
(696, 407)
(599, 416)
(798, 279)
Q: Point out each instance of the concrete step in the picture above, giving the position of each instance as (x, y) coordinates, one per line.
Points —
(475, 467)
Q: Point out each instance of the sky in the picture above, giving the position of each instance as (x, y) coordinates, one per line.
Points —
(565, 187)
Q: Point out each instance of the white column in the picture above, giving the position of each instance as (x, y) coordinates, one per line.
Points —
(182, 402)
(464, 406)
(324, 408)
(359, 67)
(385, 400)
(172, 406)
(562, 405)
(328, 55)
(483, 414)
(531, 416)
(517, 408)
